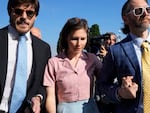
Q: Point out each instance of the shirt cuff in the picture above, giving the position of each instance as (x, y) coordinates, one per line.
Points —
(117, 95)
(41, 97)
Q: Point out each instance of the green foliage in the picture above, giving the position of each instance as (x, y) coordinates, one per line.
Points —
(94, 31)
(94, 35)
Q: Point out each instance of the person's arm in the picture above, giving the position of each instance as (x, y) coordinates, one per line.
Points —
(105, 87)
(51, 99)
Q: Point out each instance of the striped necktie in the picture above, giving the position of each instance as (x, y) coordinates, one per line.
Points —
(146, 76)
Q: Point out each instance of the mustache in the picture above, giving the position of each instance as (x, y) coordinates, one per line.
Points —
(22, 21)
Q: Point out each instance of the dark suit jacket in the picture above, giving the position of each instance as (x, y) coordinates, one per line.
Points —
(120, 61)
(41, 53)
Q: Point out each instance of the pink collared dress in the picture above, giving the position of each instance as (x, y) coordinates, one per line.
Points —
(74, 86)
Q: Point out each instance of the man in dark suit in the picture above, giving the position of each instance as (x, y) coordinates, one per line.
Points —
(123, 62)
(22, 16)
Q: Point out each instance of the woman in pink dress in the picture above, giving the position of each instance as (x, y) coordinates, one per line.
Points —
(69, 76)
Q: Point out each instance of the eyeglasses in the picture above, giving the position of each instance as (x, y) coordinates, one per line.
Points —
(139, 11)
(19, 12)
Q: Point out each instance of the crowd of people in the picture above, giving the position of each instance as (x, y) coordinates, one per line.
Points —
(109, 39)
(114, 80)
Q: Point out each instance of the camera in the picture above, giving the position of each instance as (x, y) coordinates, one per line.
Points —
(96, 42)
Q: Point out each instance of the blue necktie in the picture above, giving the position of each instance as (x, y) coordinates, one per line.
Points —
(20, 84)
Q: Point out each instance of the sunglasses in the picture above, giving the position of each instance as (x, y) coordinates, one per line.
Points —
(19, 12)
(139, 11)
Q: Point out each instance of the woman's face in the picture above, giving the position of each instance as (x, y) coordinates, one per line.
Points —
(77, 41)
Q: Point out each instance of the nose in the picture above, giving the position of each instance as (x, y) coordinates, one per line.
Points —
(145, 12)
(79, 41)
(24, 14)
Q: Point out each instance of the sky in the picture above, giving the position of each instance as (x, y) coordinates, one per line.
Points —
(53, 15)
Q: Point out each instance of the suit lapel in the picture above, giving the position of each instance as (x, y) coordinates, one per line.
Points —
(3, 56)
(36, 53)
(131, 54)
(33, 62)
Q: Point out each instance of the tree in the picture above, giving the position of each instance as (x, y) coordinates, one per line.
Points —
(94, 31)
(94, 38)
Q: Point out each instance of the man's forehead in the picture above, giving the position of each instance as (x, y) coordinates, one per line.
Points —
(26, 6)
(138, 3)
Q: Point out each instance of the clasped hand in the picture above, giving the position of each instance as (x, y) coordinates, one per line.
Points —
(128, 88)
(35, 107)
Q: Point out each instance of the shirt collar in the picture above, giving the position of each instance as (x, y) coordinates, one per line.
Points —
(138, 40)
(63, 55)
(14, 34)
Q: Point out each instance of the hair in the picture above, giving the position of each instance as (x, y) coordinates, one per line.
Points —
(107, 35)
(14, 3)
(70, 27)
(125, 29)
(125, 9)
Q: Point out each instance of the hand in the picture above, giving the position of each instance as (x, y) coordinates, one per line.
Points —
(103, 51)
(128, 88)
(36, 104)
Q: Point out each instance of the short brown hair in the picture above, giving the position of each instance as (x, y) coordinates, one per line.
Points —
(13, 3)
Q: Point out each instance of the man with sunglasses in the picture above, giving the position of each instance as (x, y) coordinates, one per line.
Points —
(22, 15)
(123, 61)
